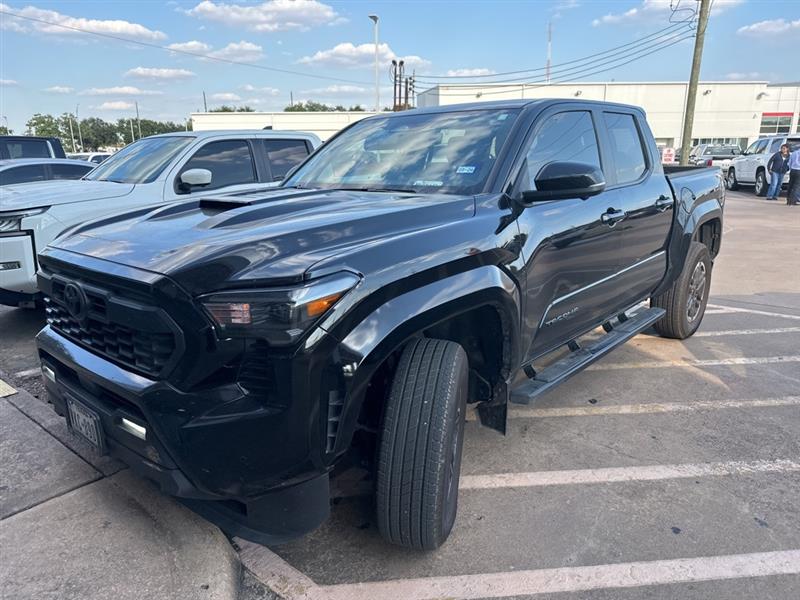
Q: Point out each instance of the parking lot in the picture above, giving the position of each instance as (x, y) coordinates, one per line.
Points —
(670, 465)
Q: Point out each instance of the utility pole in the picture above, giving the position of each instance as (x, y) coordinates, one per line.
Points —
(133, 139)
(688, 119)
(374, 19)
(71, 133)
(549, 53)
(78, 121)
(138, 122)
(291, 98)
(205, 104)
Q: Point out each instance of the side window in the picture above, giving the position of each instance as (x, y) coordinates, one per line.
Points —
(61, 171)
(761, 147)
(283, 155)
(626, 144)
(24, 174)
(567, 136)
(28, 149)
(751, 149)
(230, 163)
(775, 145)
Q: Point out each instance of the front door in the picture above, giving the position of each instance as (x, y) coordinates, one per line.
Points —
(570, 248)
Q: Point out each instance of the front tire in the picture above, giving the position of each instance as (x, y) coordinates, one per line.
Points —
(760, 187)
(419, 459)
(730, 180)
(685, 302)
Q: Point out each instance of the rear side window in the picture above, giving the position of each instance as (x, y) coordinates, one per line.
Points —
(283, 155)
(230, 163)
(27, 149)
(69, 171)
(24, 174)
(567, 136)
(626, 146)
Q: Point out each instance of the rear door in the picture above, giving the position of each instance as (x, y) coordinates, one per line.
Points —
(636, 183)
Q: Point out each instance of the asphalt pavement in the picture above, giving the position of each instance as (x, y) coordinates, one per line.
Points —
(668, 470)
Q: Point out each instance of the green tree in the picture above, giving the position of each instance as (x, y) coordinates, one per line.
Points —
(98, 133)
(44, 125)
(5, 130)
(226, 108)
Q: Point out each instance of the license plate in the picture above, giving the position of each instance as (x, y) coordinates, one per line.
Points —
(86, 423)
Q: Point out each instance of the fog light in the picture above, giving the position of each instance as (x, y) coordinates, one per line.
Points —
(49, 373)
(10, 266)
(133, 428)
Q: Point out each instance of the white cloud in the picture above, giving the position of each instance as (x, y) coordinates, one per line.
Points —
(59, 89)
(336, 90)
(750, 76)
(192, 46)
(115, 105)
(226, 97)
(469, 72)
(273, 15)
(269, 91)
(120, 90)
(157, 73)
(652, 10)
(118, 27)
(9, 82)
(771, 27)
(239, 51)
(351, 56)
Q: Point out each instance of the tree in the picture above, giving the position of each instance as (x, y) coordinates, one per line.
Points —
(312, 106)
(5, 130)
(44, 125)
(97, 133)
(226, 108)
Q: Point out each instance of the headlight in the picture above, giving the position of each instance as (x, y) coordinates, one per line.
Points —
(12, 221)
(280, 316)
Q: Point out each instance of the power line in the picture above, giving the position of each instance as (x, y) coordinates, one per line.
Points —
(178, 51)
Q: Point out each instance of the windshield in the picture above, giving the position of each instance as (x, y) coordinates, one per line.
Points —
(141, 161)
(451, 153)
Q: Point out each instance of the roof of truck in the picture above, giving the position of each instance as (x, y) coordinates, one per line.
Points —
(267, 133)
(507, 105)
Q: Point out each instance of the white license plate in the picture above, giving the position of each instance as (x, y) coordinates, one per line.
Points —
(86, 423)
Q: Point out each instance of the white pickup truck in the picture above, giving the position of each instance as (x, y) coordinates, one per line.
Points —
(152, 171)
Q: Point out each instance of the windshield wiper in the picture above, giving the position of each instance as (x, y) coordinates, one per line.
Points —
(378, 189)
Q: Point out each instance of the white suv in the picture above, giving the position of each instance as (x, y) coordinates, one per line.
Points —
(751, 167)
(151, 171)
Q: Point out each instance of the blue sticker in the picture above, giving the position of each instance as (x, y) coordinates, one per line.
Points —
(468, 169)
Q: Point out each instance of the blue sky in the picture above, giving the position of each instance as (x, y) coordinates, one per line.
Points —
(45, 68)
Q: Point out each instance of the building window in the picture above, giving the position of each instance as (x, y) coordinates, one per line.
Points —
(775, 123)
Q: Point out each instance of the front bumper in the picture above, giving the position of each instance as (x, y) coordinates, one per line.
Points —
(214, 461)
(18, 279)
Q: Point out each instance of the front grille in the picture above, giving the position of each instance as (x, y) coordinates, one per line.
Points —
(144, 351)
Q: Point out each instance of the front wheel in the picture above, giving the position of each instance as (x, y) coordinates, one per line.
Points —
(761, 184)
(419, 459)
(685, 301)
(730, 180)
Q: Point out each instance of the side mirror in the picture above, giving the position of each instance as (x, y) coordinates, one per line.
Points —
(194, 178)
(563, 180)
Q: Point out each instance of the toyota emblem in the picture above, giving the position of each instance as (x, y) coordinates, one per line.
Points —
(75, 301)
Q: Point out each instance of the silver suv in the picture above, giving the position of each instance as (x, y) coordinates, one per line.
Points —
(750, 168)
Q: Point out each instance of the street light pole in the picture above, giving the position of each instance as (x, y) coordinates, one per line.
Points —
(78, 121)
(694, 77)
(374, 19)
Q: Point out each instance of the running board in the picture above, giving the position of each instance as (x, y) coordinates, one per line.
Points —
(617, 333)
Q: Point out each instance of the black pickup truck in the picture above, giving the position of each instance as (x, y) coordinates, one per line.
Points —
(235, 348)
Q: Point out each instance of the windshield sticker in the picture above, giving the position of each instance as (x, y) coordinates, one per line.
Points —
(428, 183)
(465, 169)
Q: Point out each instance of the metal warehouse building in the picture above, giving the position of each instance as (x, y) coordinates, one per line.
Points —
(727, 112)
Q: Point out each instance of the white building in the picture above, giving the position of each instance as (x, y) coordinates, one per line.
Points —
(726, 112)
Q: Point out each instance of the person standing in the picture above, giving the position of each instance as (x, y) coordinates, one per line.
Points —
(776, 167)
(793, 197)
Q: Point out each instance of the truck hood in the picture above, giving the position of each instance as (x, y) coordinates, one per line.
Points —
(272, 237)
(59, 191)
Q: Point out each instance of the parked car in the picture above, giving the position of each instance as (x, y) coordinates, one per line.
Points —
(30, 146)
(750, 168)
(710, 155)
(150, 172)
(93, 157)
(233, 348)
(26, 170)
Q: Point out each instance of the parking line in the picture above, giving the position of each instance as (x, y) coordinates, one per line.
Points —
(715, 362)
(753, 311)
(747, 331)
(6, 390)
(274, 572)
(623, 474)
(571, 579)
(521, 412)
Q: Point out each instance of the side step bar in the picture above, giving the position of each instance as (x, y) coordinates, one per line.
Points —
(579, 358)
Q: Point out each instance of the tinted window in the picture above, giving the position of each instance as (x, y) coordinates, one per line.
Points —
(27, 149)
(775, 145)
(142, 161)
(22, 174)
(229, 161)
(761, 146)
(626, 145)
(69, 171)
(98, 158)
(283, 155)
(567, 136)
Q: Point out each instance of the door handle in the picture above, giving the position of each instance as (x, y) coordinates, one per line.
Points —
(663, 203)
(613, 216)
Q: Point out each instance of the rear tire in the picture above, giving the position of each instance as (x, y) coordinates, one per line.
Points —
(685, 302)
(421, 439)
(730, 180)
(760, 187)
